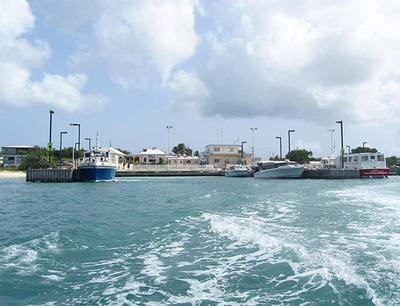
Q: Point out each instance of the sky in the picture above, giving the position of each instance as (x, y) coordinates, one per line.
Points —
(211, 69)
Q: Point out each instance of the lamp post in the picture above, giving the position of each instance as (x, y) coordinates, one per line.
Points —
(243, 142)
(348, 149)
(331, 131)
(90, 142)
(79, 142)
(168, 128)
(252, 144)
(280, 146)
(288, 132)
(61, 135)
(341, 141)
(50, 145)
(364, 143)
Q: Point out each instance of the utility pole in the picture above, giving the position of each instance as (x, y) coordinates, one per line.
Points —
(50, 145)
(341, 141)
(289, 131)
(252, 144)
(242, 150)
(280, 146)
(364, 143)
(331, 131)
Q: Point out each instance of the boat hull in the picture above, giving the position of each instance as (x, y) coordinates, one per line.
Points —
(237, 173)
(281, 172)
(96, 173)
(374, 173)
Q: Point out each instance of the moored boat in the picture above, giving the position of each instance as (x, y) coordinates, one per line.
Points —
(279, 169)
(370, 165)
(96, 167)
(237, 171)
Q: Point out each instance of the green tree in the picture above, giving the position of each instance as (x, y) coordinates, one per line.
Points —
(181, 149)
(300, 155)
(124, 151)
(36, 159)
(196, 153)
(275, 158)
(364, 150)
(391, 161)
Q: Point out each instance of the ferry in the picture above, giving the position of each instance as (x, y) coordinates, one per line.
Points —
(371, 165)
(279, 169)
(237, 171)
(96, 167)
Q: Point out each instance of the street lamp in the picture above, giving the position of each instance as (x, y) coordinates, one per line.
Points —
(289, 131)
(168, 128)
(252, 144)
(280, 145)
(90, 143)
(61, 135)
(341, 141)
(348, 148)
(243, 142)
(364, 143)
(50, 145)
(79, 142)
(331, 131)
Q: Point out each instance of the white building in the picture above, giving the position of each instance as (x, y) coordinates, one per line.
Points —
(12, 155)
(183, 160)
(152, 156)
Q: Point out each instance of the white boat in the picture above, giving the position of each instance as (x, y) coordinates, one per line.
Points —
(279, 169)
(237, 171)
(369, 164)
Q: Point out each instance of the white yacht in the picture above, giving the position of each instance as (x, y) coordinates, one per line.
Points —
(237, 171)
(279, 169)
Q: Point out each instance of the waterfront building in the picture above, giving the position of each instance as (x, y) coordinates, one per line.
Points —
(12, 155)
(183, 160)
(222, 155)
(152, 156)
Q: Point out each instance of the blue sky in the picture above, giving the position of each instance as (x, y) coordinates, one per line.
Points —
(126, 69)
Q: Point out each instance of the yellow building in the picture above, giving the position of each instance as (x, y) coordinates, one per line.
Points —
(222, 155)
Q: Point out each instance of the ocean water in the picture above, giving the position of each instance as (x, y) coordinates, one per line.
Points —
(200, 241)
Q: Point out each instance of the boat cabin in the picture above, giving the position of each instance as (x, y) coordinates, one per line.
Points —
(275, 164)
(362, 161)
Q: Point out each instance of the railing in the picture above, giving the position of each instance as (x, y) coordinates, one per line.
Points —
(170, 168)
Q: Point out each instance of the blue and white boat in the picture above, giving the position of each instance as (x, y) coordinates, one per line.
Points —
(96, 167)
(279, 169)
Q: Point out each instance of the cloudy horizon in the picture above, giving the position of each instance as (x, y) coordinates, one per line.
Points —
(126, 69)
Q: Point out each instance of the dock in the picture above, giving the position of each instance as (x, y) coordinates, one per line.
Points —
(50, 175)
(168, 173)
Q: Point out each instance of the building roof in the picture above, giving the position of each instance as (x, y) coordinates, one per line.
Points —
(115, 151)
(153, 151)
(223, 145)
(19, 147)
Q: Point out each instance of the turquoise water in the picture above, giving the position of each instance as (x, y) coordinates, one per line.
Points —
(200, 241)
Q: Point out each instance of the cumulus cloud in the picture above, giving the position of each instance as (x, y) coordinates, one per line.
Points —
(19, 56)
(141, 41)
(318, 61)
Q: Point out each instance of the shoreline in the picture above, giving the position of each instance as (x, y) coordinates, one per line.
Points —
(4, 174)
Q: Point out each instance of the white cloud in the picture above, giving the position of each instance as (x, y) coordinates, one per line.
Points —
(18, 56)
(142, 41)
(317, 61)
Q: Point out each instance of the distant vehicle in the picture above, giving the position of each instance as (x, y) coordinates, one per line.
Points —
(237, 171)
(279, 169)
(369, 164)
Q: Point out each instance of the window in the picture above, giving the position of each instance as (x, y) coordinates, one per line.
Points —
(372, 156)
(381, 158)
(350, 159)
(365, 158)
(216, 149)
(216, 160)
(355, 159)
(345, 159)
(231, 149)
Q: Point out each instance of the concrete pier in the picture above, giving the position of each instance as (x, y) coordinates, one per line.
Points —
(50, 175)
(331, 174)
